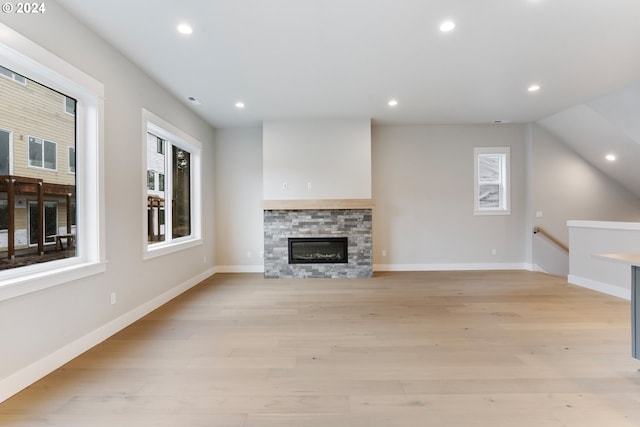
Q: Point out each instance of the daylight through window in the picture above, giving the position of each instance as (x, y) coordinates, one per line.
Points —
(491, 172)
(172, 205)
(36, 222)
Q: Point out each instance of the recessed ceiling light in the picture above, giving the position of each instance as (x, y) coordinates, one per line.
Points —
(392, 103)
(534, 88)
(447, 26)
(611, 157)
(240, 105)
(185, 29)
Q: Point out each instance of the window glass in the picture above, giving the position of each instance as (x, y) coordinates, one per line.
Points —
(4, 215)
(35, 152)
(151, 180)
(49, 155)
(72, 160)
(492, 181)
(14, 76)
(5, 152)
(34, 203)
(181, 180)
(50, 222)
(173, 215)
(70, 105)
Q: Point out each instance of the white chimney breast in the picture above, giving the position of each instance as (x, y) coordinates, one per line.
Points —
(334, 155)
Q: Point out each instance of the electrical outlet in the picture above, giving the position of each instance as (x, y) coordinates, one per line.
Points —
(248, 254)
(384, 252)
(494, 252)
(308, 185)
(538, 214)
(113, 298)
(285, 186)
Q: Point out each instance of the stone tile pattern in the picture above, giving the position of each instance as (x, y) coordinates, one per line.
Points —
(355, 224)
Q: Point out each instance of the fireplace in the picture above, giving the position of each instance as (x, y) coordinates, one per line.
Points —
(318, 250)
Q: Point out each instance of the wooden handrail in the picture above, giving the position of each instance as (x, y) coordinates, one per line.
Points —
(542, 231)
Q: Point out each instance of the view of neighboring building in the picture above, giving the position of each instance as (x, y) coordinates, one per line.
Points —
(156, 148)
(37, 168)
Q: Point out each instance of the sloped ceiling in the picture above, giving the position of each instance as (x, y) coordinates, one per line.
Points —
(606, 125)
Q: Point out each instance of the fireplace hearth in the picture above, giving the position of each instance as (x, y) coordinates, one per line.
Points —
(318, 250)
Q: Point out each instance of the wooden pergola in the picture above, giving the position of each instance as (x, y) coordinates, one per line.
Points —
(152, 203)
(19, 185)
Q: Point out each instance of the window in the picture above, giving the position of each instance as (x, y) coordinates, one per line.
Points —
(4, 215)
(13, 76)
(5, 153)
(42, 153)
(72, 160)
(172, 208)
(60, 204)
(50, 222)
(151, 180)
(70, 106)
(491, 173)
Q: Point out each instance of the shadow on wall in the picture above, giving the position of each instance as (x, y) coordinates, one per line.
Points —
(548, 257)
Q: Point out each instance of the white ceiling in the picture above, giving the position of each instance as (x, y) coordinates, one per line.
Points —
(298, 59)
(288, 59)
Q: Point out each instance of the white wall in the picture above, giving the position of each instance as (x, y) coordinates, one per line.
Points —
(238, 216)
(590, 238)
(566, 187)
(423, 186)
(334, 156)
(40, 330)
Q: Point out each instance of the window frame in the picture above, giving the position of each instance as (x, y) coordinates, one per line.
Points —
(504, 182)
(43, 142)
(173, 136)
(36, 63)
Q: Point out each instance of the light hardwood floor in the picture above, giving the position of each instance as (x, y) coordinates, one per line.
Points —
(399, 350)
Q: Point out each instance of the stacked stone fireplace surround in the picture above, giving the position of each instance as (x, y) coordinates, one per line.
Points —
(281, 224)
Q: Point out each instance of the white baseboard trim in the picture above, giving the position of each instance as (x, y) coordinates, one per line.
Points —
(605, 288)
(451, 267)
(32, 373)
(240, 268)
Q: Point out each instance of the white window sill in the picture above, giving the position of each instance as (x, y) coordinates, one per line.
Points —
(25, 280)
(161, 249)
(496, 212)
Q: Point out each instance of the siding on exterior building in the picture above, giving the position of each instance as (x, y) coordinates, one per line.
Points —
(37, 111)
(33, 110)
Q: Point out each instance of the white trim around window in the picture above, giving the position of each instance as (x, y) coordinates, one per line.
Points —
(174, 137)
(491, 174)
(32, 61)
